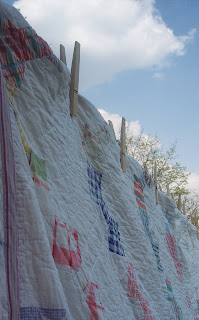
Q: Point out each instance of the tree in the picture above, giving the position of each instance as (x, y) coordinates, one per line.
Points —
(192, 205)
(147, 150)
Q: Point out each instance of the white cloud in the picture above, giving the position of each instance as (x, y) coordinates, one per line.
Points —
(134, 126)
(193, 181)
(158, 75)
(115, 35)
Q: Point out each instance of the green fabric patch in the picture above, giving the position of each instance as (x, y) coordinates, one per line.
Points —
(37, 165)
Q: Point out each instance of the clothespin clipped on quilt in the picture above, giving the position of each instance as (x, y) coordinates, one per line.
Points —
(156, 183)
(111, 125)
(195, 217)
(196, 222)
(123, 146)
(183, 208)
(145, 167)
(179, 205)
(63, 54)
(191, 215)
(75, 80)
(168, 191)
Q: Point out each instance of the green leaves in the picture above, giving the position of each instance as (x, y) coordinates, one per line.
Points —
(146, 149)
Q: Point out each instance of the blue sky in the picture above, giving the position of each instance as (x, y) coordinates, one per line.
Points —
(168, 106)
(155, 83)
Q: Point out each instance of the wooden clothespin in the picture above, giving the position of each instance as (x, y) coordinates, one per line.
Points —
(195, 217)
(145, 167)
(123, 146)
(111, 125)
(183, 208)
(196, 222)
(168, 191)
(191, 216)
(156, 183)
(75, 80)
(63, 54)
(179, 205)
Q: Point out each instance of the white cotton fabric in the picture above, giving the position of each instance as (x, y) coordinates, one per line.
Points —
(43, 108)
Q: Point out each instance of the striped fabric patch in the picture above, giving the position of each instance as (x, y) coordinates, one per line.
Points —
(9, 202)
(138, 191)
(176, 309)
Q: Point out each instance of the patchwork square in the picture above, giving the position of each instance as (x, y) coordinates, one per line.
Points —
(34, 313)
(134, 292)
(138, 191)
(37, 165)
(19, 46)
(94, 181)
(176, 309)
(64, 255)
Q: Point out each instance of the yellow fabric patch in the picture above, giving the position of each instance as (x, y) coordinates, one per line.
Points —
(10, 90)
(23, 139)
(27, 148)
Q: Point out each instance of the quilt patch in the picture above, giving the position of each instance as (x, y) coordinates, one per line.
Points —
(172, 247)
(62, 252)
(9, 202)
(37, 165)
(190, 305)
(94, 143)
(91, 301)
(94, 181)
(138, 191)
(66, 251)
(177, 310)
(134, 292)
(11, 91)
(34, 313)
(19, 46)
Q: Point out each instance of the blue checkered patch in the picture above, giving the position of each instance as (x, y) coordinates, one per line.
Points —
(34, 313)
(94, 181)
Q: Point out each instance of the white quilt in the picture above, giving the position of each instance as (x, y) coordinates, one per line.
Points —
(79, 238)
